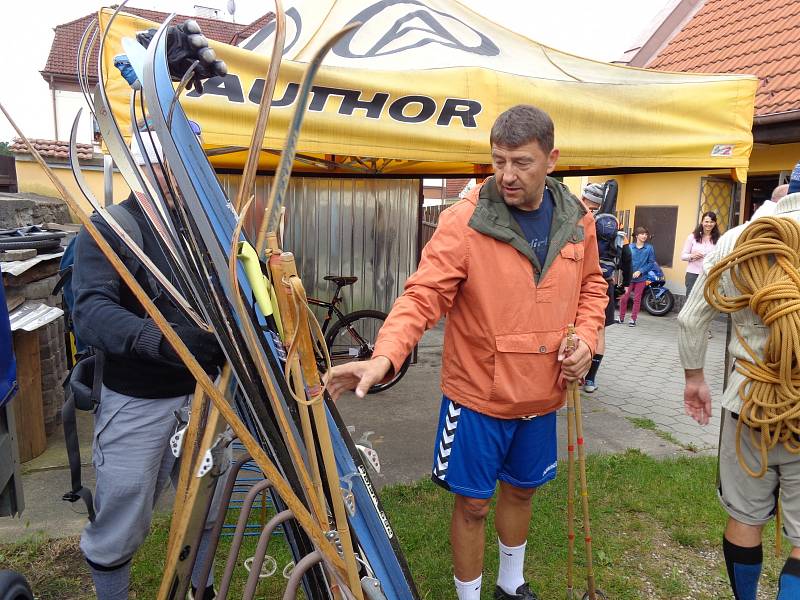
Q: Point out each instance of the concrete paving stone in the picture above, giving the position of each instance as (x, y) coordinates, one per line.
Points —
(695, 437)
(666, 424)
(663, 410)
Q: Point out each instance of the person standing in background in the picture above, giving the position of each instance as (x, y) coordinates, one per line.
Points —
(698, 245)
(613, 257)
(643, 259)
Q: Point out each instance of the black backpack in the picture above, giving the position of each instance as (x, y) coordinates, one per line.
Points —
(84, 380)
(610, 251)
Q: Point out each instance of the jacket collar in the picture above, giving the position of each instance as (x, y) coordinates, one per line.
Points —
(492, 217)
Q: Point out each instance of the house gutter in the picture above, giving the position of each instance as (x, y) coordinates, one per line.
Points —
(55, 116)
(777, 128)
(781, 117)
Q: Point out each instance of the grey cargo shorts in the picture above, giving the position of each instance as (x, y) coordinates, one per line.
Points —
(751, 500)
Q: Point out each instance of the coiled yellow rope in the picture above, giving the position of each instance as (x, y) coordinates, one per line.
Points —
(765, 267)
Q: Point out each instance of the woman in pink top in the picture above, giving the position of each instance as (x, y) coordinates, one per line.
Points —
(698, 245)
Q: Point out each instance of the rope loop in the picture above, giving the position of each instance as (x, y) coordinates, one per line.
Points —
(764, 266)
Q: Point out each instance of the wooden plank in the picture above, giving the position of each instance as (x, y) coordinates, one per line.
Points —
(11, 255)
(35, 273)
(28, 407)
(13, 301)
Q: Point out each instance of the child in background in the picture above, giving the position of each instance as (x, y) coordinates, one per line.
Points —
(643, 259)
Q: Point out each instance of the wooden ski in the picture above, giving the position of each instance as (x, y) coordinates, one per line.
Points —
(254, 151)
(284, 170)
(196, 485)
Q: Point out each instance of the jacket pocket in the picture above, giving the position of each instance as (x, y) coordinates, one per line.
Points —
(572, 252)
(526, 367)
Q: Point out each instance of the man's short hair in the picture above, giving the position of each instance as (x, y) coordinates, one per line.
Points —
(779, 192)
(522, 124)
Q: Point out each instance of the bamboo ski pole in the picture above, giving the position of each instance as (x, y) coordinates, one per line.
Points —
(587, 529)
(302, 515)
(294, 376)
(293, 364)
(570, 479)
(311, 481)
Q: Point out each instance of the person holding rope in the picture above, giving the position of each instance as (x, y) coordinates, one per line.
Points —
(511, 265)
(752, 275)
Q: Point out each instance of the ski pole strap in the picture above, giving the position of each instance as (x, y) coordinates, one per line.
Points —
(78, 491)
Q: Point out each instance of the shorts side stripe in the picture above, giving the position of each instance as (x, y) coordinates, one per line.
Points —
(447, 438)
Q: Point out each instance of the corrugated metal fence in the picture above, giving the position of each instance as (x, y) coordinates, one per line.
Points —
(430, 219)
(347, 226)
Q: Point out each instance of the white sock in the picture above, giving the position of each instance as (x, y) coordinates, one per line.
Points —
(469, 590)
(509, 576)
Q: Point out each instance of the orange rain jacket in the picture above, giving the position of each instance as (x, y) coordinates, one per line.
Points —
(506, 313)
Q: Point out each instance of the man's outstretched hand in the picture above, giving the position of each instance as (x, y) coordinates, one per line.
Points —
(358, 376)
(697, 396)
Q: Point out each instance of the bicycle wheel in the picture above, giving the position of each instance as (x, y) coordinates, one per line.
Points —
(353, 338)
(14, 586)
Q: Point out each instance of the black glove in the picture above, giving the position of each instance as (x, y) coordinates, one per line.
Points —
(201, 344)
(185, 45)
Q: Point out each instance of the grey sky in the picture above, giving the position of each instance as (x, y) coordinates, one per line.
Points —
(600, 30)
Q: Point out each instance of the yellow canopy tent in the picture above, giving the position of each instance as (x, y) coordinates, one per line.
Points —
(417, 87)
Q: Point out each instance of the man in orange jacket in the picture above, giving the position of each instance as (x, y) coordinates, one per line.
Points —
(512, 265)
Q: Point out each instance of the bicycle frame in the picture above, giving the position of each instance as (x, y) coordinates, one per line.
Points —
(331, 306)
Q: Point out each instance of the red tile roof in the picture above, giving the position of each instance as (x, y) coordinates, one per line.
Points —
(453, 187)
(52, 148)
(61, 64)
(255, 26)
(756, 37)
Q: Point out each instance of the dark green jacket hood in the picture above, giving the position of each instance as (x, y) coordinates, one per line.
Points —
(492, 217)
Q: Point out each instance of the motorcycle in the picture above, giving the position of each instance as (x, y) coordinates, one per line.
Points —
(656, 299)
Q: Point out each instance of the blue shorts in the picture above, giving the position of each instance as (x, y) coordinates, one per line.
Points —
(473, 451)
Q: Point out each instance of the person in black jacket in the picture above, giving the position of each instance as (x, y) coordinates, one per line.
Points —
(593, 198)
(144, 384)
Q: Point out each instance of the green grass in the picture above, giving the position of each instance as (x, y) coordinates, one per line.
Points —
(656, 528)
(650, 425)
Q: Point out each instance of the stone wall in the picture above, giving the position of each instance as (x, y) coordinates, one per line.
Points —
(54, 370)
(20, 210)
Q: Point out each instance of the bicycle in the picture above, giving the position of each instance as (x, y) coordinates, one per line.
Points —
(352, 336)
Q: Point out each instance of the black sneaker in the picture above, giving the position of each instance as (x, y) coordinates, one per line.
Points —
(523, 593)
